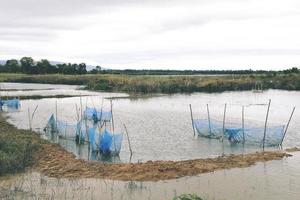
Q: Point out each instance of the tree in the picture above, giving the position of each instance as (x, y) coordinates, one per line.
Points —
(81, 68)
(96, 70)
(26, 65)
(12, 66)
(44, 67)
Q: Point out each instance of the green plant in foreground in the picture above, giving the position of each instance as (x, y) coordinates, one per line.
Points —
(17, 148)
(187, 197)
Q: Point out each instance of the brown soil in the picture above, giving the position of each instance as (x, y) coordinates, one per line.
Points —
(294, 149)
(54, 161)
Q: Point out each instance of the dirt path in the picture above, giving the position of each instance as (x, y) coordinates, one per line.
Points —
(54, 161)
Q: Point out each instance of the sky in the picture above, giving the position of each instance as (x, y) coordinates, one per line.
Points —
(154, 34)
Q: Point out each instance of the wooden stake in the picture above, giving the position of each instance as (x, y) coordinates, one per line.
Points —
(29, 122)
(56, 116)
(208, 117)
(112, 116)
(243, 123)
(32, 116)
(192, 119)
(113, 124)
(81, 112)
(224, 116)
(265, 130)
(287, 126)
(129, 144)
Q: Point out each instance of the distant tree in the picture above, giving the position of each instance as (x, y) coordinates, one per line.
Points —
(295, 70)
(2, 68)
(67, 68)
(44, 67)
(96, 70)
(27, 64)
(81, 68)
(12, 66)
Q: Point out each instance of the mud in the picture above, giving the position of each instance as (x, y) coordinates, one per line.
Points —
(54, 161)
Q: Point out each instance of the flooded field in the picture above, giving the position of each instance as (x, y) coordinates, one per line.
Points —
(160, 129)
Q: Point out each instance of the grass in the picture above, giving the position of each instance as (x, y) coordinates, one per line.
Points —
(17, 148)
(164, 84)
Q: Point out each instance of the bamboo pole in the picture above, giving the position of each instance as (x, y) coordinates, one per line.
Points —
(192, 119)
(113, 124)
(32, 116)
(77, 112)
(56, 117)
(243, 122)
(287, 126)
(29, 122)
(81, 113)
(224, 117)
(129, 144)
(208, 117)
(86, 127)
(265, 130)
(112, 117)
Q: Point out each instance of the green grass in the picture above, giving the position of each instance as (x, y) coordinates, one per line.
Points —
(17, 148)
(164, 84)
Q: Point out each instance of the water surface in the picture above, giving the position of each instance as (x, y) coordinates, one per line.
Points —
(160, 127)
(274, 180)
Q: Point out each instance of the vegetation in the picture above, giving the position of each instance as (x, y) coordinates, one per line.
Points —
(27, 65)
(164, 84)
(187, 197)
(146, 81)
(17, 148)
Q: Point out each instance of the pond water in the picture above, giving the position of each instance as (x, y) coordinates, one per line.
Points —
(160, 126)
(274, 180)
(160, 129)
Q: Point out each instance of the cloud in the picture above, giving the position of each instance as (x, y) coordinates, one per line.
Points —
(135, 32)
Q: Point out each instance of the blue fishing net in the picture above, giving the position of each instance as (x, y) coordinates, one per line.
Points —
(11, 103)
(93, 136)
(97, 115)
(236, 134)
(106, 142)
(110, 144)
(65, 129)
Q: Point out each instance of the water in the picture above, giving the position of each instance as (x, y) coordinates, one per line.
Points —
(32, 89)
(160, 129)
(274, 180)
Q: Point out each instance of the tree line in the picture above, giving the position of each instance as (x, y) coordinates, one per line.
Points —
(28, 65)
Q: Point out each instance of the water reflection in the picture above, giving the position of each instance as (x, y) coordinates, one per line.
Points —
(274, 180)
(160, 127)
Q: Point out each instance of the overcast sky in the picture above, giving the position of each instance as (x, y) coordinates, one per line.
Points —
(165, 34)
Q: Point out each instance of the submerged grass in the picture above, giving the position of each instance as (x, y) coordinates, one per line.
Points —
(164, 84)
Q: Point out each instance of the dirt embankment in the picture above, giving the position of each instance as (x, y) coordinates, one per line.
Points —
(54, 161)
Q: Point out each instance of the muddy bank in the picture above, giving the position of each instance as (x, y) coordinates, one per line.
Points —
(54, 161)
